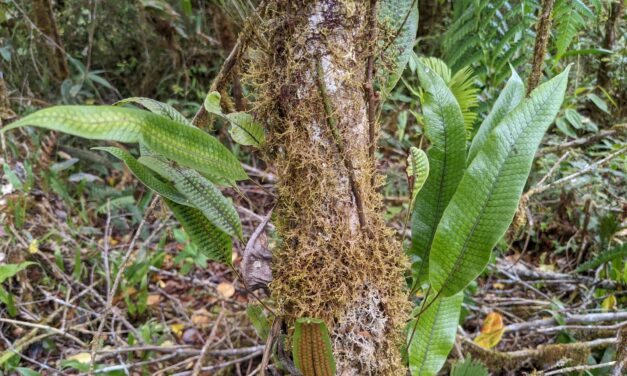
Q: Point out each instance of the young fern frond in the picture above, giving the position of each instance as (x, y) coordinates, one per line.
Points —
(461, 85)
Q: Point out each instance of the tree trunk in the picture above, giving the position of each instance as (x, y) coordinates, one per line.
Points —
(338, 261)
(44, 19)
(616, 11)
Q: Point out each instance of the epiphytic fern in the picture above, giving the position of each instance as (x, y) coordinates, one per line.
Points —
(178, 161)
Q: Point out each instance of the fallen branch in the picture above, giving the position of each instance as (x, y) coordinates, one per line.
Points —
(530, 272)
(616, 130)
(584, 367)
(543, 356)
(566, 179)
(568, 320)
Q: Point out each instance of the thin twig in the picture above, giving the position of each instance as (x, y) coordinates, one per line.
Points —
(585, 367)
(585, 170)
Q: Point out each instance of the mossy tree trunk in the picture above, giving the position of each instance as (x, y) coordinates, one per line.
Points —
(44, 19)
(338, 261)
(616, 10)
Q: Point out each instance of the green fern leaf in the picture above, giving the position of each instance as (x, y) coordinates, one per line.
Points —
(469, 367)
(604, 257)
(210, 240)
(146, 176)
(207, 198)
(391, 15)
(260, 322)
(157, 107)
(444, 127)
(186, 145)
(93, 122)
(462, 87)
(488, 194)
(245, 131)
(417, 172)
(509, 98)
(435, 335)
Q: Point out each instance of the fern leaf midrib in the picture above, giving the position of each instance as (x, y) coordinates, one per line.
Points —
(221, 210)
(434, 224)
(431, 332)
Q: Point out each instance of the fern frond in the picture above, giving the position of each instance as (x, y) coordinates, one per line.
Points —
(604, 257)
(461, 85)
(463, 88)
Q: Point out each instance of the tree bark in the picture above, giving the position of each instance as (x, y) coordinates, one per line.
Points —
(44, 19)
(338, 261)
(616, 11)
(543, 33)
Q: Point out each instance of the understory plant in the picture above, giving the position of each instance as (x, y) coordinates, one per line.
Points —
(465, 190)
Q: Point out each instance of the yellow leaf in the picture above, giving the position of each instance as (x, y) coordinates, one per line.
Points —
(33, 247)
(492, 323)
(499, 286)
(226, 290)
(491, 331)
(177, 329)
(489, 340)
(547, 268)
(167, 344)
(83, 357)
(609, 303)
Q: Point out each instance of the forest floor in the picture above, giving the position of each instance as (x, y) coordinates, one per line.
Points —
(116, 281)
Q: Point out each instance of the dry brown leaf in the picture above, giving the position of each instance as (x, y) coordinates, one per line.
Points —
(153, 299)
(201, 318)
(226, 290)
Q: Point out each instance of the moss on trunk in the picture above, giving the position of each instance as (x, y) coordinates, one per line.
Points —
(338, 260)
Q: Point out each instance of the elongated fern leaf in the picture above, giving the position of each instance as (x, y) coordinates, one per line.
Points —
(509, 98)
(488, 194)
(186, 145)
(435, 335)
(444, 127)
(604, 257)
(209, 200)
(462, 87)
(146, 176)
(210, 240)
(399, 18)
(158, 108)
